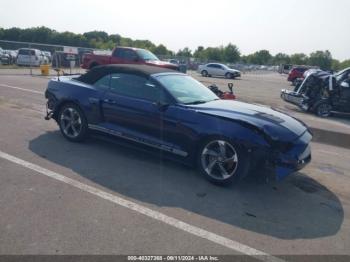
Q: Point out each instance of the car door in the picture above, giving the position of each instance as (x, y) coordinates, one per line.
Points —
(211, 69)
(217, 70)
(130, 107)
(221, 71)
(344, 98)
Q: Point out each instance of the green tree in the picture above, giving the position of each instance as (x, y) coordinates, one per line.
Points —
(214, 53)
(198, 52)
(335, 64)
(231, 53)
(161, 50)
(262, 57)
(98, 35)
(299, 59)
(116, 39)
(345, 64)
(186, 52)
(281, 58)
(323, 59)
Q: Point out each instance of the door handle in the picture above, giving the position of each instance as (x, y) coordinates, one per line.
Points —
(110, 101)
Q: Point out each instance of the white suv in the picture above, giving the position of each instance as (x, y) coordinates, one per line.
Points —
(214, 69)
(29, 57)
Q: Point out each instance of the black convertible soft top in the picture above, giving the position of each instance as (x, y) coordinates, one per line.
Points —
(142, 70)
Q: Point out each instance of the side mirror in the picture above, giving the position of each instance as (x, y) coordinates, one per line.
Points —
(162, 106)
(345, 84)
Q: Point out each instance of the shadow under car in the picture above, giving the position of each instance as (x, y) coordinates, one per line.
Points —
(298, 207)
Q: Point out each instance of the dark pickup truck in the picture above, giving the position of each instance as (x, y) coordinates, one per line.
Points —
(126, 55)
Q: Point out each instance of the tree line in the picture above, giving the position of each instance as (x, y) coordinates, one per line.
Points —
(226, 54)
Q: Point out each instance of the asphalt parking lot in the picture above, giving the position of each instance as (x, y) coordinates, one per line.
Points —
(58, 197)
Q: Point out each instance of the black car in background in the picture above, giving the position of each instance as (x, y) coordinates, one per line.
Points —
(61, 59)
(322, 93)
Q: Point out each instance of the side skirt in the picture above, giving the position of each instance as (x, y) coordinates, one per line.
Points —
(139, 140)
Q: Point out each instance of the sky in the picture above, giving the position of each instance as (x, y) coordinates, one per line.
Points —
(292, 26)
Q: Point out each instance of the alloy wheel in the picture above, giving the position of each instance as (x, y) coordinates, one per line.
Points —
(71, 122)
(219, 159)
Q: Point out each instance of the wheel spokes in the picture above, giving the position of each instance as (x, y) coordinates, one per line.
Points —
(231, 159)
(219, 159)
(67, 126)
(222, 147)
(71, 122)
(210, 152)
(66, 118)
(211, 166)
(223, 171)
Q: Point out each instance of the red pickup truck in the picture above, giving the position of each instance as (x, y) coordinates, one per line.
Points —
(125, 55)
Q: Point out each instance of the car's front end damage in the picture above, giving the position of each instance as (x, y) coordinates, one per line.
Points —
(275, 142)
(295, 156)
(280, 158)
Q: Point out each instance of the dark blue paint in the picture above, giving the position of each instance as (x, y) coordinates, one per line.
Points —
(267, 136)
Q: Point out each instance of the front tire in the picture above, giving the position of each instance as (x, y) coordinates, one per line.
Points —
(72, 123)
(204, 73)
(221, 161)
(229, 75)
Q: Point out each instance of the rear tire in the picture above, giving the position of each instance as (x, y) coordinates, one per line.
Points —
(221, 161)
(323, 109)
(72, 122)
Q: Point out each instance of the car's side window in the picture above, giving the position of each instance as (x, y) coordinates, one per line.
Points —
(103, 82)
(119, 53)
(210, 65)
(136, 87)
(125, 54)
(130, 55)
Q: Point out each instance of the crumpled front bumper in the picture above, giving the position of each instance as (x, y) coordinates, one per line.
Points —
(291, 97)
(296, 158)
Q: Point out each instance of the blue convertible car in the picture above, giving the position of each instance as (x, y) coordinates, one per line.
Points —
(165, 110)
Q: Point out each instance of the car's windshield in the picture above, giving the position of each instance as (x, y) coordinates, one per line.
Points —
(146, 55)
(186, 90)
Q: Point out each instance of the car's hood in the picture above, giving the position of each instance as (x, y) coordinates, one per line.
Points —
(275, 124)
(162, 64)
(233, 70)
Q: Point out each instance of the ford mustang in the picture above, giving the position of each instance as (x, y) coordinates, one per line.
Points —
(164, 110)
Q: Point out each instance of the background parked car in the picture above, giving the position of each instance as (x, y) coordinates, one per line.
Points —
(182, 66)
(61, 59)
(295, 73)
(5, 58)
(1, 51)
(44, 58)
(285, 68)
(29, 57)
(214, 69)
(13, 54)
(9, 57)
(48, 55)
